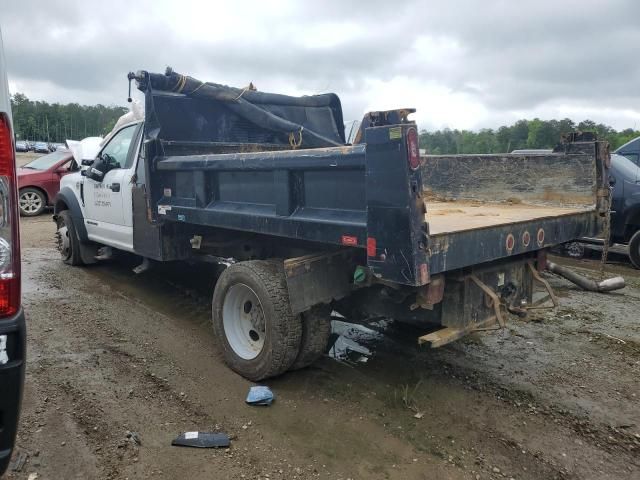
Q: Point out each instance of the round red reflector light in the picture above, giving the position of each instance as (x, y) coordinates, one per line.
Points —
(540, 236)
(526, 239)
(510, 243)
(413, 149)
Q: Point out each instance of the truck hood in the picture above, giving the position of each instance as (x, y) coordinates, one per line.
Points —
(85, 149)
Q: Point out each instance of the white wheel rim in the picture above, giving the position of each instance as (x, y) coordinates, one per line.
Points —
(62, 241)
(243, 321)
(30, 202)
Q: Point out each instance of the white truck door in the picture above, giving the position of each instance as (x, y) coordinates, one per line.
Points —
(105, 213)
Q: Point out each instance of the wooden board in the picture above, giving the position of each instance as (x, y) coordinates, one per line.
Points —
(456, 216)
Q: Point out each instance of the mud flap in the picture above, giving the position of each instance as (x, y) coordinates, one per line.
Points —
(317, 278)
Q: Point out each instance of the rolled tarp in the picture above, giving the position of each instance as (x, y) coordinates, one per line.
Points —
(249, 104)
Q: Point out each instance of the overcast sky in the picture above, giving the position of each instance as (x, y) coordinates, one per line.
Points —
(462, 64)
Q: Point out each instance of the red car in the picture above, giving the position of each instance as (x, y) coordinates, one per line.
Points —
(39, 181)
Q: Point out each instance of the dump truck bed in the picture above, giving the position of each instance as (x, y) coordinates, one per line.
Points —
(408, 217)
(460, 216)
(485, 207)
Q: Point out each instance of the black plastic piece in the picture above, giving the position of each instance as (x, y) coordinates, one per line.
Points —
(202, 440)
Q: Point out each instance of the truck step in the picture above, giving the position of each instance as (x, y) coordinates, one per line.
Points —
(104, 253)
(143, 267)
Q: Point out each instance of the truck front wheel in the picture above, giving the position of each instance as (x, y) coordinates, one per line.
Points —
(67, 239)
(634, 249)
(252, 319)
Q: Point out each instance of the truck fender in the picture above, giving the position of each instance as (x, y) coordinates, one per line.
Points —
(67, 200)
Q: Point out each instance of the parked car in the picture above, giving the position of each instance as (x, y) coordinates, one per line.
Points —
(39, 181)
(624, 178)
(12, 324)
(631, 150)
(22, 146)
(41, 147)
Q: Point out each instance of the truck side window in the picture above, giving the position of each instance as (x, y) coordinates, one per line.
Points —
(634, 157)
(118, 146)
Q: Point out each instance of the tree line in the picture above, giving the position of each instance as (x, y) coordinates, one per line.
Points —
(523, 134)
(55, 122)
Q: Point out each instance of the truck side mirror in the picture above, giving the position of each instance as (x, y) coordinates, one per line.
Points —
(98, 168)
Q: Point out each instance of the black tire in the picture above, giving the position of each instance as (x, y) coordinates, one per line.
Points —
(634, 249)
(282, 330)
(31, 202)
(316, 330)
(67, 239)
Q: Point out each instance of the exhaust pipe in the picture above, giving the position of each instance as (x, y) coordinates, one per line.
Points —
(608, 285)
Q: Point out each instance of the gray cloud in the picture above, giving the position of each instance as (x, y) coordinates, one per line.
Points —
(501, 57)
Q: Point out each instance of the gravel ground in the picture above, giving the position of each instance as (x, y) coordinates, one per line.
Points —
(22, 158)
(119, 365)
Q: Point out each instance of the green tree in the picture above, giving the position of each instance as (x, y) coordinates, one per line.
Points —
(38, 120)
(534, 133)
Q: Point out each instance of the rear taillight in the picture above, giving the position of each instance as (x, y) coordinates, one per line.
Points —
(413, 150)
(9, 228)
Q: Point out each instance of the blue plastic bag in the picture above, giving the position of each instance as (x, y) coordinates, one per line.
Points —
(260, 395)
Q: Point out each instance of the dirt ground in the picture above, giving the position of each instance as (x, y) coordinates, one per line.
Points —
(119, 365)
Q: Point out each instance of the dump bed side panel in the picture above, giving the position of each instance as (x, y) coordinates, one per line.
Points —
(315, 195)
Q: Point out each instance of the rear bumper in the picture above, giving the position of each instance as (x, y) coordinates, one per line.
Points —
(12, 369)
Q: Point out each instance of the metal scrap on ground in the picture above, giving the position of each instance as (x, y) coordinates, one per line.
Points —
(202, 440)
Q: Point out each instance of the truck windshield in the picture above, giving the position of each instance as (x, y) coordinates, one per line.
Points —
(625, 167)
(47, 161)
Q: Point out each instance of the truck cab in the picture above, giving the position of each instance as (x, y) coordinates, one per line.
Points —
(102, 191)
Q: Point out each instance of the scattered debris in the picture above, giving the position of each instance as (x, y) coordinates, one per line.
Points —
(349, 340)
(260, 395)
(32, 476)
(202, 440)
(615, 338)
(18, 462)
(134, 437)
(419, 415)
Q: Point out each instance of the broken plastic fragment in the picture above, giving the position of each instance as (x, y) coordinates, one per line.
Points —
(260, 395)
(202, 440)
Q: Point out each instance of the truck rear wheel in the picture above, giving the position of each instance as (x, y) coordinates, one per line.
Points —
(634, 249)
(252, 319)
(67, 239)
(316, 330)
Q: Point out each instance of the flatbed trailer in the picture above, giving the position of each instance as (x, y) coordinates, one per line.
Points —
(308, 223)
